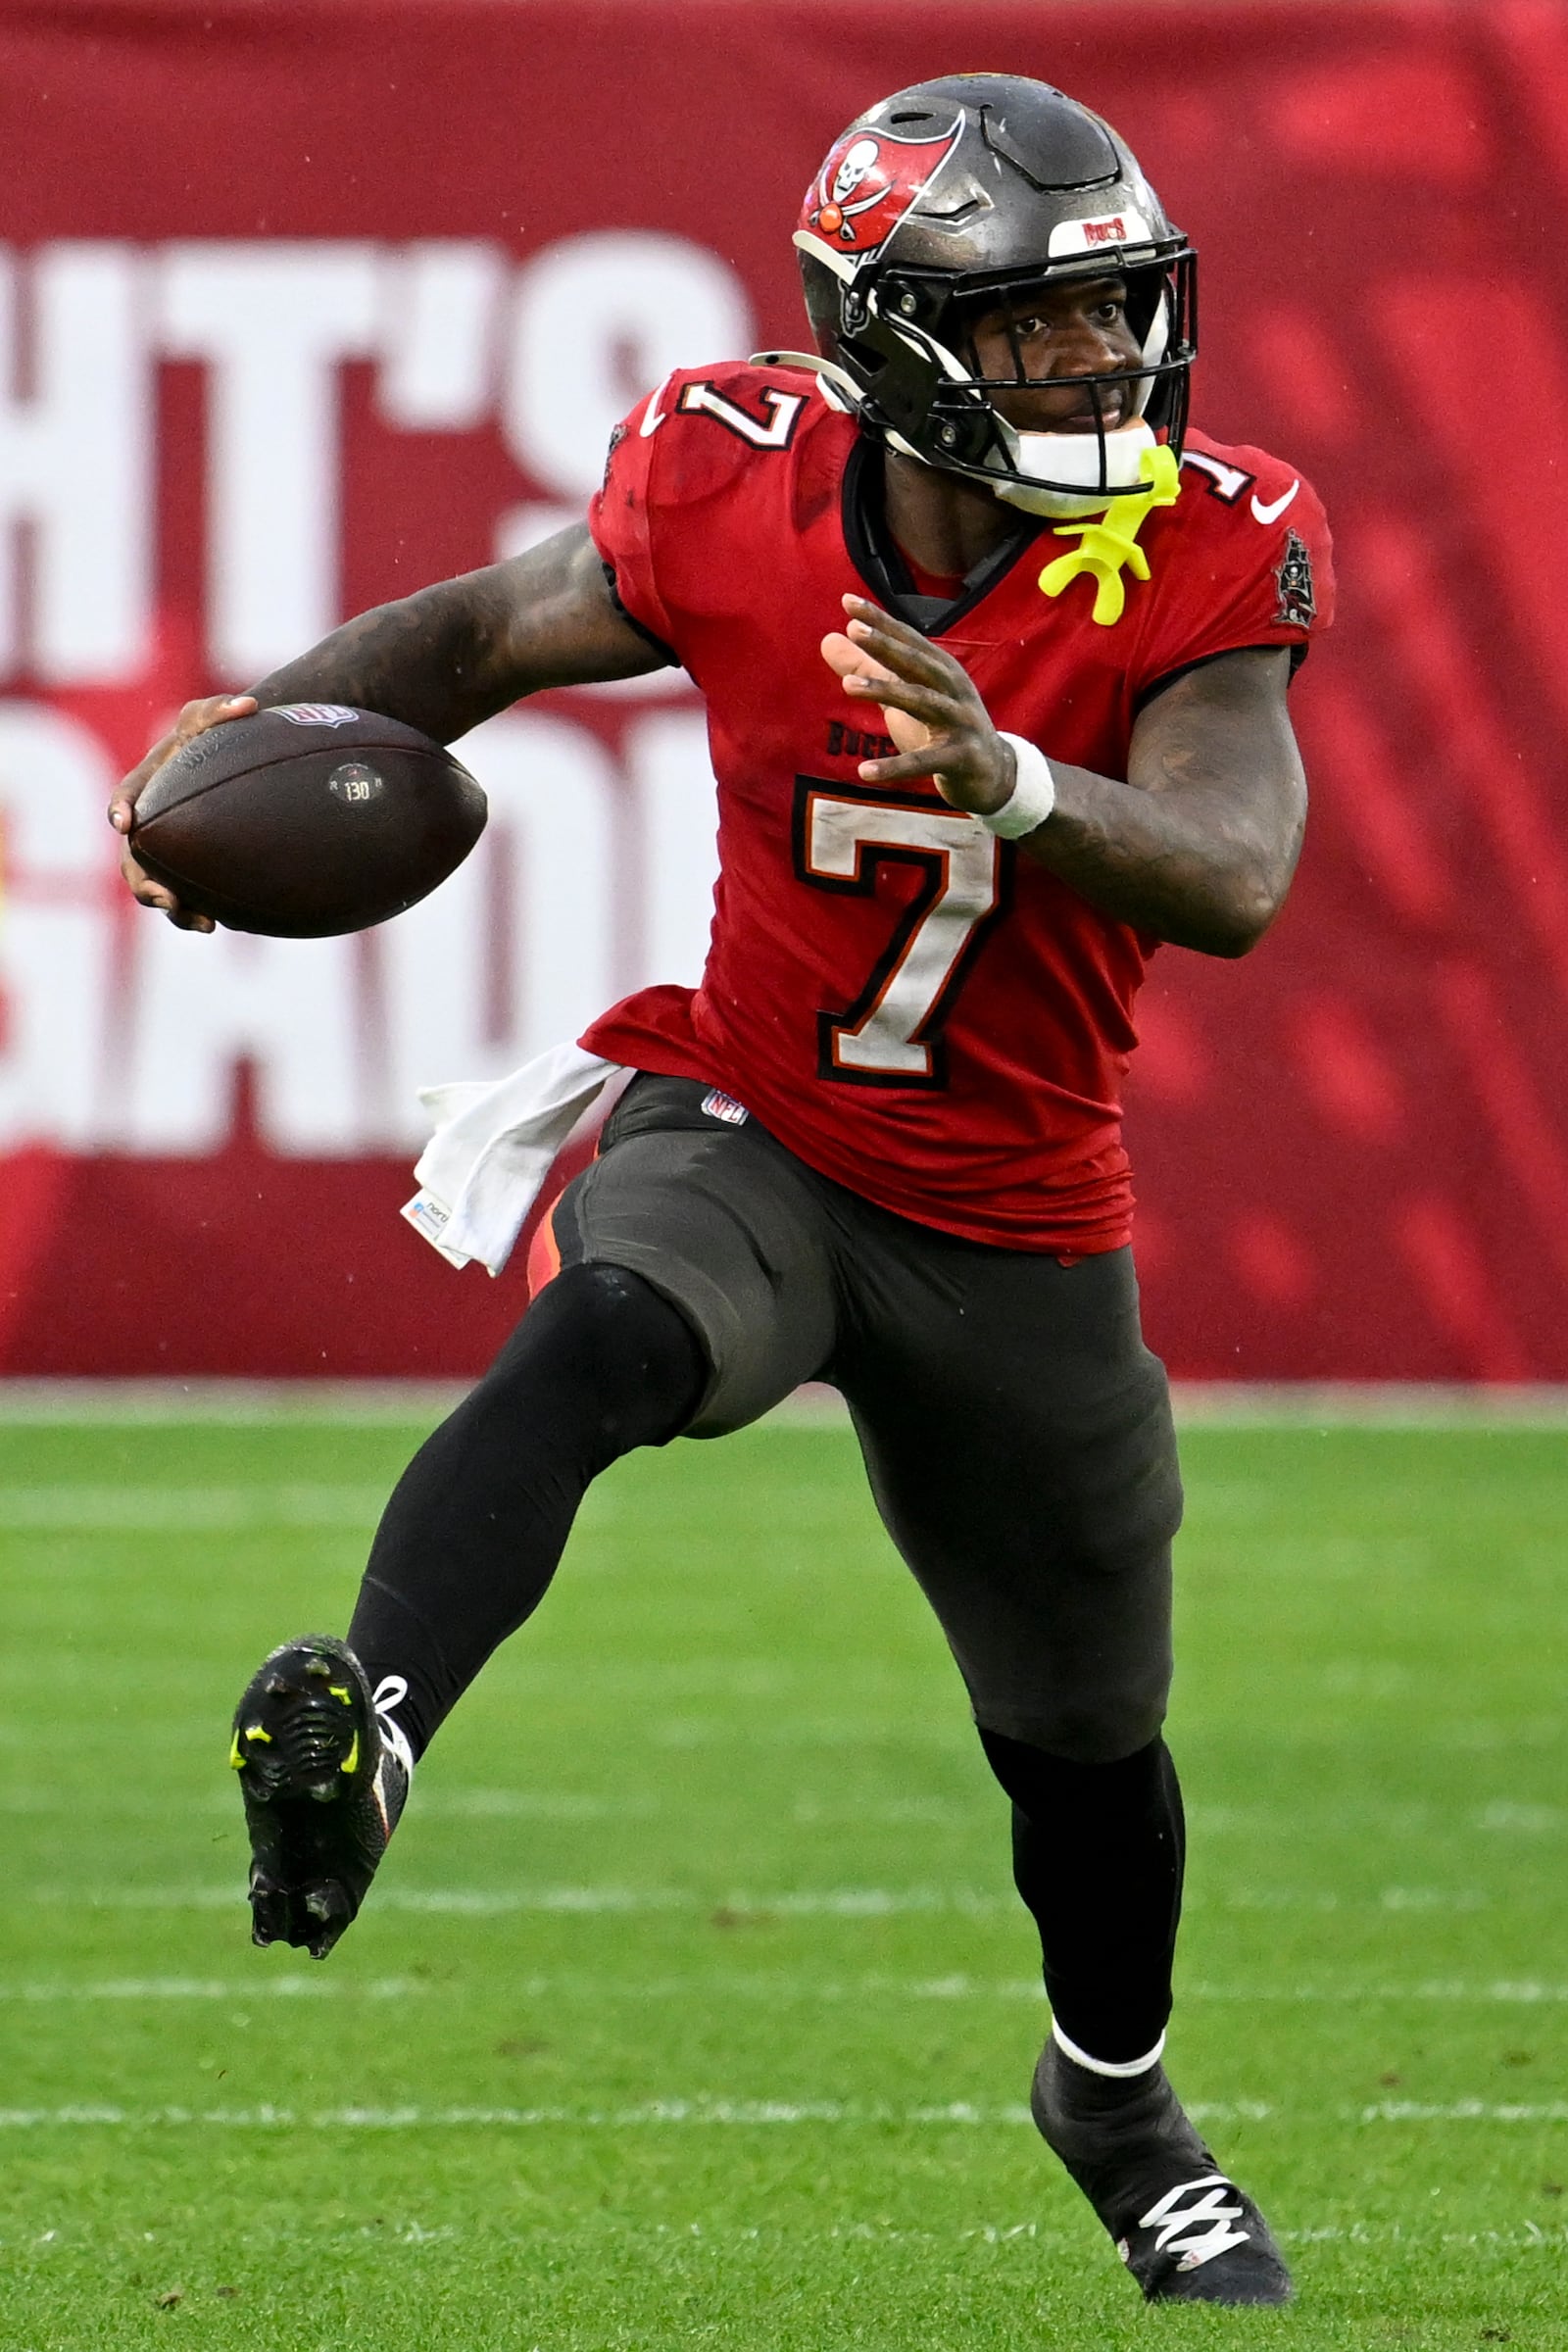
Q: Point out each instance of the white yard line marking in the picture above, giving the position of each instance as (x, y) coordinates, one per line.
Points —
(230, 1404)
(1503, 1817)
(437, 1804)
(263, 1986)
(1308, 1898)
(477, 1902)
(747, 2113)
(766, 1985)
(1370, 1405)
(653, 2113)
(534, 1804)
(83, 1508)
(1465, 2111)
(833, 1902)
(1506, 1992)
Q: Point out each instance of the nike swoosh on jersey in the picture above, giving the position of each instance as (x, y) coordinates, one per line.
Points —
(1276, 507)
(655, 416)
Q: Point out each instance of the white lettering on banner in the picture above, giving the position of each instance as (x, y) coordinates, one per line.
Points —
(592, 881)
(56, 931)
(274, 321)
(599, 318)
(667, 757)
(532, 523)
(517, 952)
(202, 1005)
(442, 301)
(596, 318)
(586, 885)
(75, 464)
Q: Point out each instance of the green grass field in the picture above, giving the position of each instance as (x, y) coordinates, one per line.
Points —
(692, 2006)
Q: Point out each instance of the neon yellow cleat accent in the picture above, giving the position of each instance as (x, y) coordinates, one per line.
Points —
(340, 1691)
(1109, 546)
(255, 1731)
(236, 1760)
(350, 1762)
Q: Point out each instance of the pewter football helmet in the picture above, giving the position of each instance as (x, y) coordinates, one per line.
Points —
(965, 194)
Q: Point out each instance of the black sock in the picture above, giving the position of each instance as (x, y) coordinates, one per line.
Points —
(468, 1544)
(1098, 1851)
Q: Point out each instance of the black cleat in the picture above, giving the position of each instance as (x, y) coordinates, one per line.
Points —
(324, 1779)
(1183, 2228)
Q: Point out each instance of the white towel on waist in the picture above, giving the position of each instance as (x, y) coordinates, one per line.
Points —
(492, 1148)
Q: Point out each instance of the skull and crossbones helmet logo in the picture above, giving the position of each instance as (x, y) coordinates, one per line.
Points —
(868, 184)
(855, 165)
(856, 162)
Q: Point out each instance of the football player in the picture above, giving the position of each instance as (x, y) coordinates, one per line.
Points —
(995, 652)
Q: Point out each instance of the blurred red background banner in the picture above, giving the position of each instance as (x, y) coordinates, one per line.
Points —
(304, 306)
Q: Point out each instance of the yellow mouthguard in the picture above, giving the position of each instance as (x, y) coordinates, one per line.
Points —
(1108, 546)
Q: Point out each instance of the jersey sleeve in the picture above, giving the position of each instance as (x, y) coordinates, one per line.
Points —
(1258, 570)
(619, 523)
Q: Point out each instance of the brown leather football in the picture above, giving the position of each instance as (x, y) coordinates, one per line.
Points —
(306, 821)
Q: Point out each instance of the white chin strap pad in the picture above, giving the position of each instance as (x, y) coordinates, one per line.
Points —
(1073, 459)
(1062, 461)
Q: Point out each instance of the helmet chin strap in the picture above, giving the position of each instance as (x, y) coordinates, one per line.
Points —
(840, 390)
(1055, 459)
(1133, 459)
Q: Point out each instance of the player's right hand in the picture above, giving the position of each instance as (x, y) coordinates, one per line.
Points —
(193, 720)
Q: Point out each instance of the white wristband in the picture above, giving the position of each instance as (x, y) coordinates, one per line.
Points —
(1032, 798)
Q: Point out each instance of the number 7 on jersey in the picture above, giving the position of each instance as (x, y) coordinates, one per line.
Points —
(891, 1035)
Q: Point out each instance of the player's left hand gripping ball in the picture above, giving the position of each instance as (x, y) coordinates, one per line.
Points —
(933, 714)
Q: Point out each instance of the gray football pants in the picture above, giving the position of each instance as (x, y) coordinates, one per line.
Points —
(1016, 1429)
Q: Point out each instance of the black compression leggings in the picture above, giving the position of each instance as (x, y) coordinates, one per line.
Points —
(1097, 1855)
(471, 1536)
(477, 1523)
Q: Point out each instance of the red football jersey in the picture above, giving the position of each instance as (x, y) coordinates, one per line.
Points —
(909, 1004)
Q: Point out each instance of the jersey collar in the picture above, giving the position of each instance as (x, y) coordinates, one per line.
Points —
(876, 557)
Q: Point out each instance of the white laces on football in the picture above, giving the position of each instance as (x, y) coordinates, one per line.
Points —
(1207, 2218)
(388, 1693)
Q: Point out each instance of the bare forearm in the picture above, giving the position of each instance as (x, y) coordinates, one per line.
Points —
(450, 656)
(1198, 846)
(1199, 869)
(441, 661)
(429, 660)
(1200, 843)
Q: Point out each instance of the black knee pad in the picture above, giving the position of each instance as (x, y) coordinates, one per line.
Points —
(1086, 1726)
(600, 1352)
(1046, 1787)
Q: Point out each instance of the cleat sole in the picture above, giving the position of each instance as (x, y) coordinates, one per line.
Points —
(318, 1804)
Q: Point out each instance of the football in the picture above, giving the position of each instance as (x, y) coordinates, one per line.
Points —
(306, 821)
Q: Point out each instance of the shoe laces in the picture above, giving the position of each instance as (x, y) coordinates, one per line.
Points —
(390, 1693)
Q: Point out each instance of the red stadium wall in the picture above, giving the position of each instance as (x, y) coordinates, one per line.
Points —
(305, 305)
